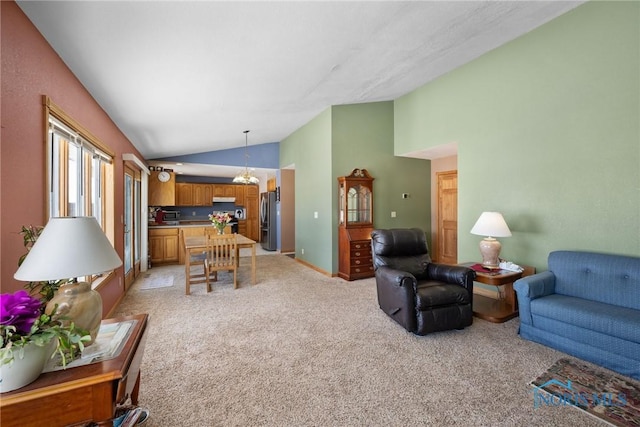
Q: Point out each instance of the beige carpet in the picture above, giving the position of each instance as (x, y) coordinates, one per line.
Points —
(155, 280)
(302, 349)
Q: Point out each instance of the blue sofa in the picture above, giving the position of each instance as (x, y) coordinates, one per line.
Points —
(587, 305)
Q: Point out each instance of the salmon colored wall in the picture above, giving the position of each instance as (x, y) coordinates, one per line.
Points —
(30, 69)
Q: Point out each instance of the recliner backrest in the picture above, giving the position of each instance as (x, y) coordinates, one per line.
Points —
(402, 249)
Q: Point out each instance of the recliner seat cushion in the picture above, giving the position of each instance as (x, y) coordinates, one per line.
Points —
(620, 322)
(430, 294)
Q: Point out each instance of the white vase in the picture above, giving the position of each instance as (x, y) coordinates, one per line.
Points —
(27, 369)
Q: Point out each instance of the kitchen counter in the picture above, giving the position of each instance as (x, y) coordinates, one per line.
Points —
(183, 224)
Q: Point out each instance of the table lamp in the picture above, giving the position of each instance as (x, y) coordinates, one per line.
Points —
(491, 225)
(68, 248)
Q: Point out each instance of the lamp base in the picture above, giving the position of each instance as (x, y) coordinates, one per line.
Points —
(81, 305)
(490, 249)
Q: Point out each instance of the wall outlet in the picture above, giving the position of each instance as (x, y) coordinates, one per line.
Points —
(393, 214)
(315, 214)
(302, 250)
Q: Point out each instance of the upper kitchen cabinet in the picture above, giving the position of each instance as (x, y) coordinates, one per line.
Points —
(191, 194)
(162, 188)
(184, 194)
(202, 194)
(240, 199)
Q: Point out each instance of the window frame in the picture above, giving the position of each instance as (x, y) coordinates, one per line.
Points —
(54, 165)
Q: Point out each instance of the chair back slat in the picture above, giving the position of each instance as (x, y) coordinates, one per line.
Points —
(222, 254)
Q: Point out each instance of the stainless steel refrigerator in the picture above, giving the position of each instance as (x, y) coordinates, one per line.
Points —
(268, 222)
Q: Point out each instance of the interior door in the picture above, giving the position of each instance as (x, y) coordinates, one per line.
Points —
(447, 235)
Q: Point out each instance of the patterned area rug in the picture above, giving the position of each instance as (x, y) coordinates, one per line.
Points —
(612, 398)
(151, 281)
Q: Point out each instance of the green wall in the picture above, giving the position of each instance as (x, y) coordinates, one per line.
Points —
(548, 133)
(334, 143)
(308, 149)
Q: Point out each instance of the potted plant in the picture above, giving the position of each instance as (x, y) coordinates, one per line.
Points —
(28, 336)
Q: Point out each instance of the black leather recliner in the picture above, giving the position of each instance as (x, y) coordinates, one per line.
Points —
(420, 295)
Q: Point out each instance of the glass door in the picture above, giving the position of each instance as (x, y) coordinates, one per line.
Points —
(130, 230)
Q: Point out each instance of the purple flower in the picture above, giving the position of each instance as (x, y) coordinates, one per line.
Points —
(19, 310)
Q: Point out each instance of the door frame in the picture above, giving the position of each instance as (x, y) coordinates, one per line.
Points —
(133, 226)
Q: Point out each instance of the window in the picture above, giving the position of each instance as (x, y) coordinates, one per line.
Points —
(79, 172)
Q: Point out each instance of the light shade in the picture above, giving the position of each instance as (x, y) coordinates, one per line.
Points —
(491, 224)
(68, 247)
(246, 177)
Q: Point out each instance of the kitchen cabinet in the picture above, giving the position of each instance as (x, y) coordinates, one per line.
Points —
(184, 194)
(190, 194)
(242, 228)
(240, 189)
(162, 192)
(252, 200)
(355, 224)
(163, 245)
(202, 194)
(218, 190)
(229, 190)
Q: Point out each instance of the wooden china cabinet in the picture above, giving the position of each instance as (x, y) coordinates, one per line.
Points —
(355, 225)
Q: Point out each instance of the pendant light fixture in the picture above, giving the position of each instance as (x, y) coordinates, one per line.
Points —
(246, 177)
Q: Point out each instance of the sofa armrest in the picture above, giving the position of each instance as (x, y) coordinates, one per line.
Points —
(396, 295)
(457, 274)
(532, 287)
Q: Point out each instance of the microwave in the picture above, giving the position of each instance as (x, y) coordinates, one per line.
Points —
(171, 216)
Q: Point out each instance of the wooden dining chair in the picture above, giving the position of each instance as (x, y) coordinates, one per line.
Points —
(193, 277)
(212, 231)
(222, 252)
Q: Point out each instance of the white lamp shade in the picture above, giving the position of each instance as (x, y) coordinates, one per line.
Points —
(68, 247)
(491, 224)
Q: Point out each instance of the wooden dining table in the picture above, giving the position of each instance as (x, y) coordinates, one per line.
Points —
(195, 244)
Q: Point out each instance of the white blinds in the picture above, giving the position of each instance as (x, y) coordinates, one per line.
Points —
(56, 126)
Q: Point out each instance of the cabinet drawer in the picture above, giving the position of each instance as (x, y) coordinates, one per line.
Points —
(361, 261)
(360, 245)
(163, 232)
(361, 269)
(360, 253)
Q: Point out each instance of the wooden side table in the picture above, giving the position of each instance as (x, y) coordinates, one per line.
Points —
(82, 394)
(505, 308)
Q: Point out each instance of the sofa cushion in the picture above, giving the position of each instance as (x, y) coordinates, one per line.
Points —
(608, 319)
(431, 294)
(610, 279)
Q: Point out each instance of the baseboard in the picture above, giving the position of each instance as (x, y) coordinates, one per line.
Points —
(313, 267)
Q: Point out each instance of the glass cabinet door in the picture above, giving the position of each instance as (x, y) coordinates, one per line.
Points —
(359, 204)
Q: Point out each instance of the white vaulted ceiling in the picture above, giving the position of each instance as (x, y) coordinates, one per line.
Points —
(181, 77)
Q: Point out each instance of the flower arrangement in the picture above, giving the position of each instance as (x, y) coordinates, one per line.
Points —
(220, 220)
(23, 321)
